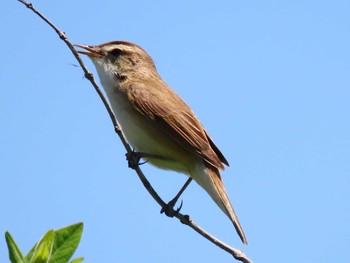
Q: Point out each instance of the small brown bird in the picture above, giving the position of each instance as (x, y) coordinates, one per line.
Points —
(156, 121)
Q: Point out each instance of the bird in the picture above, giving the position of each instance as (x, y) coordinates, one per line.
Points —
(157, 122)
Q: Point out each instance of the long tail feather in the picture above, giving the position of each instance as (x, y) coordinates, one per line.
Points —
(209, 178)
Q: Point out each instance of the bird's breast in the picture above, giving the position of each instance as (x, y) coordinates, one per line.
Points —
(141, 132)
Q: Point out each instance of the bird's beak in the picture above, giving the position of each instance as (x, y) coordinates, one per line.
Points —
(90, 51)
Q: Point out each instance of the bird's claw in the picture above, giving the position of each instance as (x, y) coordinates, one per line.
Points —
(134, 158)
(168, 208)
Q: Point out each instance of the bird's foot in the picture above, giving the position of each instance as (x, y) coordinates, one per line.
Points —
(134, 158)
(169, 210)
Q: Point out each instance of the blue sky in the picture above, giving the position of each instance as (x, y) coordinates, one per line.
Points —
(268, 79)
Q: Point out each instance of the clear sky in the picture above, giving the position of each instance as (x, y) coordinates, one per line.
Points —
(270, 81)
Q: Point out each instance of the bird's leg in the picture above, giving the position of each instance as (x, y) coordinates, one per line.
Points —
(168, 209)
(134, 158)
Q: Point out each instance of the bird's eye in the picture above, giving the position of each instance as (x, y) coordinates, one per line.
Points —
(116, 52)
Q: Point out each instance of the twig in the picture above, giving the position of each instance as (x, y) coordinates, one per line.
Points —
(185, 219)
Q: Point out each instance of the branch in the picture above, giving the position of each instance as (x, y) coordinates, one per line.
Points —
(185, 219)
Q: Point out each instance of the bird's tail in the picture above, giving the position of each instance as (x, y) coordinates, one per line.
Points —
(209, 178)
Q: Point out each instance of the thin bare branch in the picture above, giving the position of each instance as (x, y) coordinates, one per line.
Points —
(185, 219)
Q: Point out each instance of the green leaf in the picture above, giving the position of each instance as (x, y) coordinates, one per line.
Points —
(43, 248)
(77, 260)
(30, 254)
(66, 242)
(15, 253)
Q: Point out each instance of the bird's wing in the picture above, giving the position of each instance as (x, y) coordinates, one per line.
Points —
(164, 107)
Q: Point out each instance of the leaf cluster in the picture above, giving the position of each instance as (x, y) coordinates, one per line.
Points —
(56, 246)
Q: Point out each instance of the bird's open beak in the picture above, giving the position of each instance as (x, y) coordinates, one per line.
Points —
(91, 51)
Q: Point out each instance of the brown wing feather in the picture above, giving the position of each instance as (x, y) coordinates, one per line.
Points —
(216, 150)
(172, 114)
